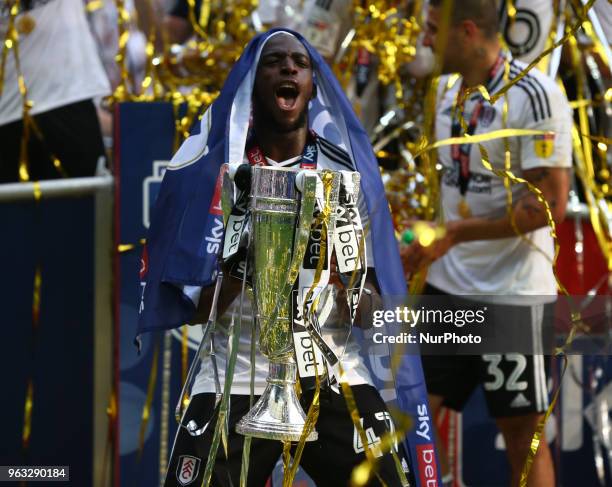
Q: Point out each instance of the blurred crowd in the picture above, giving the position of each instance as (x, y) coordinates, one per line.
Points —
(73, 55)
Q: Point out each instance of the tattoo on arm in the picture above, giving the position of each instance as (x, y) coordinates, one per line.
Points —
(532, 205)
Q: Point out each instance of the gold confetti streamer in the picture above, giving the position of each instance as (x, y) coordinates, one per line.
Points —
(146, 409)
(121, 248)
(111, 413)
(36, 297)
(94, 5)
(27, 416)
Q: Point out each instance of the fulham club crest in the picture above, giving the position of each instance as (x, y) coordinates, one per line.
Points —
(187, 470)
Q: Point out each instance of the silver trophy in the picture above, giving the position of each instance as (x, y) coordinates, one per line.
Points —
(281, 219)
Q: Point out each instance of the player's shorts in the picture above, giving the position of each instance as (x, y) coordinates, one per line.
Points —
(514, 379)
(329, 461)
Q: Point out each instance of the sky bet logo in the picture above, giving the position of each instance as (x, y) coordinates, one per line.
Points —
(427, 465)
(214, 235)
(150, 190)
(426, 454)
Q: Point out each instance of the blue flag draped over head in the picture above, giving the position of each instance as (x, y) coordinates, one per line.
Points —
(186, 232)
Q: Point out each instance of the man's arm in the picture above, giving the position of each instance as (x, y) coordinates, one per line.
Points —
(370, 301)
(529, 215)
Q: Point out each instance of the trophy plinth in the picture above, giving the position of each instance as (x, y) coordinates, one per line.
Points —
(277, 415)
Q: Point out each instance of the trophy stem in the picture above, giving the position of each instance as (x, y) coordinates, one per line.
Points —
(277, 415)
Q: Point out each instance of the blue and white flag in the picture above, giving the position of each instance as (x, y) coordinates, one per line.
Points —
(186, 232)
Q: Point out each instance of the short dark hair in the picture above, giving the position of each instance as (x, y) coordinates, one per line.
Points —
(483, 13)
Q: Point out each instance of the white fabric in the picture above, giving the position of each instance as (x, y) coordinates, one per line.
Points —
(334, 333)
(509, 267)
(59, 60)
(527, 36)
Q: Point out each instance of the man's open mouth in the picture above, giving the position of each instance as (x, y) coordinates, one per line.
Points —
(286, 95)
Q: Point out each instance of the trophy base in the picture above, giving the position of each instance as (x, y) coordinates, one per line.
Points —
(277, 415)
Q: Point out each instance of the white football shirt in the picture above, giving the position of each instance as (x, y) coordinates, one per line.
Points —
(508, 268)
(59, 60)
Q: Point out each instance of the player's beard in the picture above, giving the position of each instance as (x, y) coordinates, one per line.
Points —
(298, 124)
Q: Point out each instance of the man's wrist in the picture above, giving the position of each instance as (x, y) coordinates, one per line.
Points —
(453, 232)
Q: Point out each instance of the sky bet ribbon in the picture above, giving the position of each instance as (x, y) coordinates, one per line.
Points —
(186, 233)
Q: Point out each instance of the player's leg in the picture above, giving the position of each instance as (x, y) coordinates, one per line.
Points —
(518, 432)
(515, 386)
(331, 459)
(190, 453)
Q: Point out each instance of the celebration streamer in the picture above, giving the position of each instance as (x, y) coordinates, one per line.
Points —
(185, 361)
(385, 32)
(146, 409)
(111, 412)
(122, 91)
(121, 248)
(29, 399)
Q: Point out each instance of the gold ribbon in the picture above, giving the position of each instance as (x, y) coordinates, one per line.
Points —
(146, 409)
(94, 5)
(150, 78)
(122, 91)
(477, 139)
(27, 416)
(185, 362)
(111, 412)
(36, 297)
(29, 399)
(121, 248)
(387, 33)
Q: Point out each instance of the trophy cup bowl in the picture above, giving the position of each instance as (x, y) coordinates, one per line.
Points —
(276, 209)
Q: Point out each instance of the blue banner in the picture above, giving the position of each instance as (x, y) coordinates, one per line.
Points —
(56, 357)
(144, 146)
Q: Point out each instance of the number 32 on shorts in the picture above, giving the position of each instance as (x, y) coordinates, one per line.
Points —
(498, 380)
